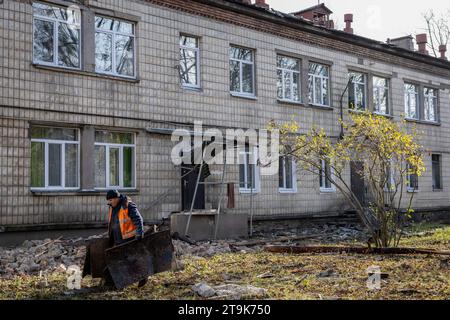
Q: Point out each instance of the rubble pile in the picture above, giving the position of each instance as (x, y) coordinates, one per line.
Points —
(47, 256)
(43, 256)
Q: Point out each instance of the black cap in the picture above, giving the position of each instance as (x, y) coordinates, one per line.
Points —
(112, 194)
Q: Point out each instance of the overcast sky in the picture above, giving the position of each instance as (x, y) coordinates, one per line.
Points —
(376, 19)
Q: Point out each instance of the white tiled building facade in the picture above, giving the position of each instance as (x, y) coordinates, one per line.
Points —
(65, 117)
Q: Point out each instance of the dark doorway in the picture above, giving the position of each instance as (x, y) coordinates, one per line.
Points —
(357, 181)
(189, 174)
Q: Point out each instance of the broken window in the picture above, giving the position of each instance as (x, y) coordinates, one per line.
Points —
(242, 73)
(319, 84)
(114, 160)
(381, 95)
(288, 79)
(357, 98)
(56, 36)
(189, 61)
(114, 47)
(54, 158)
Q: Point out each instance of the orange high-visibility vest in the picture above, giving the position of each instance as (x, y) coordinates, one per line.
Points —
(127, 227)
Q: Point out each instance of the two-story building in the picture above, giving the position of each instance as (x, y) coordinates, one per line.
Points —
(90, 92)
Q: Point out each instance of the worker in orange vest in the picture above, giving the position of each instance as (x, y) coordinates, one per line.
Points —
(125, 223)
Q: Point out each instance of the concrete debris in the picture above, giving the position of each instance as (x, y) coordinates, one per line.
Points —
(46, 256)
(53, 255)
(228, 291)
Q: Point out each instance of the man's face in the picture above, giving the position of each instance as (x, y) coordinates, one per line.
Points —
(113, 202)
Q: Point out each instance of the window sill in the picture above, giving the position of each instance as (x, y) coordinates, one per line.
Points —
(192, 88)
(438, 190)
(320, 106)
(79, 192)
(431, 123)
(244, 96)
(287, 191)
(85, 73)
(384, 115)
(413, 190)
(249, 191)
(327, 191)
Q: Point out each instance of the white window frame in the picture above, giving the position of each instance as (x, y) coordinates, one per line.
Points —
(376, 93)
(291, 73)
(56, 23)
(197, 61)
(119, 146)
(430, 97)
(322, 80)
(243, 151)
(355, 85)
(293, 177)
(241, 83)
(113, 47)
(323, 178)
(63, 163)
(408, 95)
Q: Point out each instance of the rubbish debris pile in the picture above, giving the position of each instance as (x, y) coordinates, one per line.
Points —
(46, 256)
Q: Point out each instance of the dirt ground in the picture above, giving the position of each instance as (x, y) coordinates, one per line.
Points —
(279, 276)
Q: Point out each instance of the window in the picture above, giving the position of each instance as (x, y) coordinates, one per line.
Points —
(436, 171)
(242, 71)
(381, 95)
(319, 84)
(357, 98)
(411, 101)
(412, 180)
(56, 36)
(288, 79)
(288, 181)
(326, 177)
(114, 160)
(189, 61)
(248, 170)
(114, 47)
(430, 104)
(54, 158)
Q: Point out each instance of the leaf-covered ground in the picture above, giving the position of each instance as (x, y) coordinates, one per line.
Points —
(284, 276)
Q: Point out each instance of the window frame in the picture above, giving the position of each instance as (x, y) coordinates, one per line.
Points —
(323, 178)
(63, 144)
(291, 72)
(375, 89)
(314, 76)
(197, 59)
(435, 99)
(241, 93)
(56, 23)
(355, 85)
(119, 146)
(408, 182)
(441, 188)
(407, 96)
(293, 177)
(257, 187)
(113, 53)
